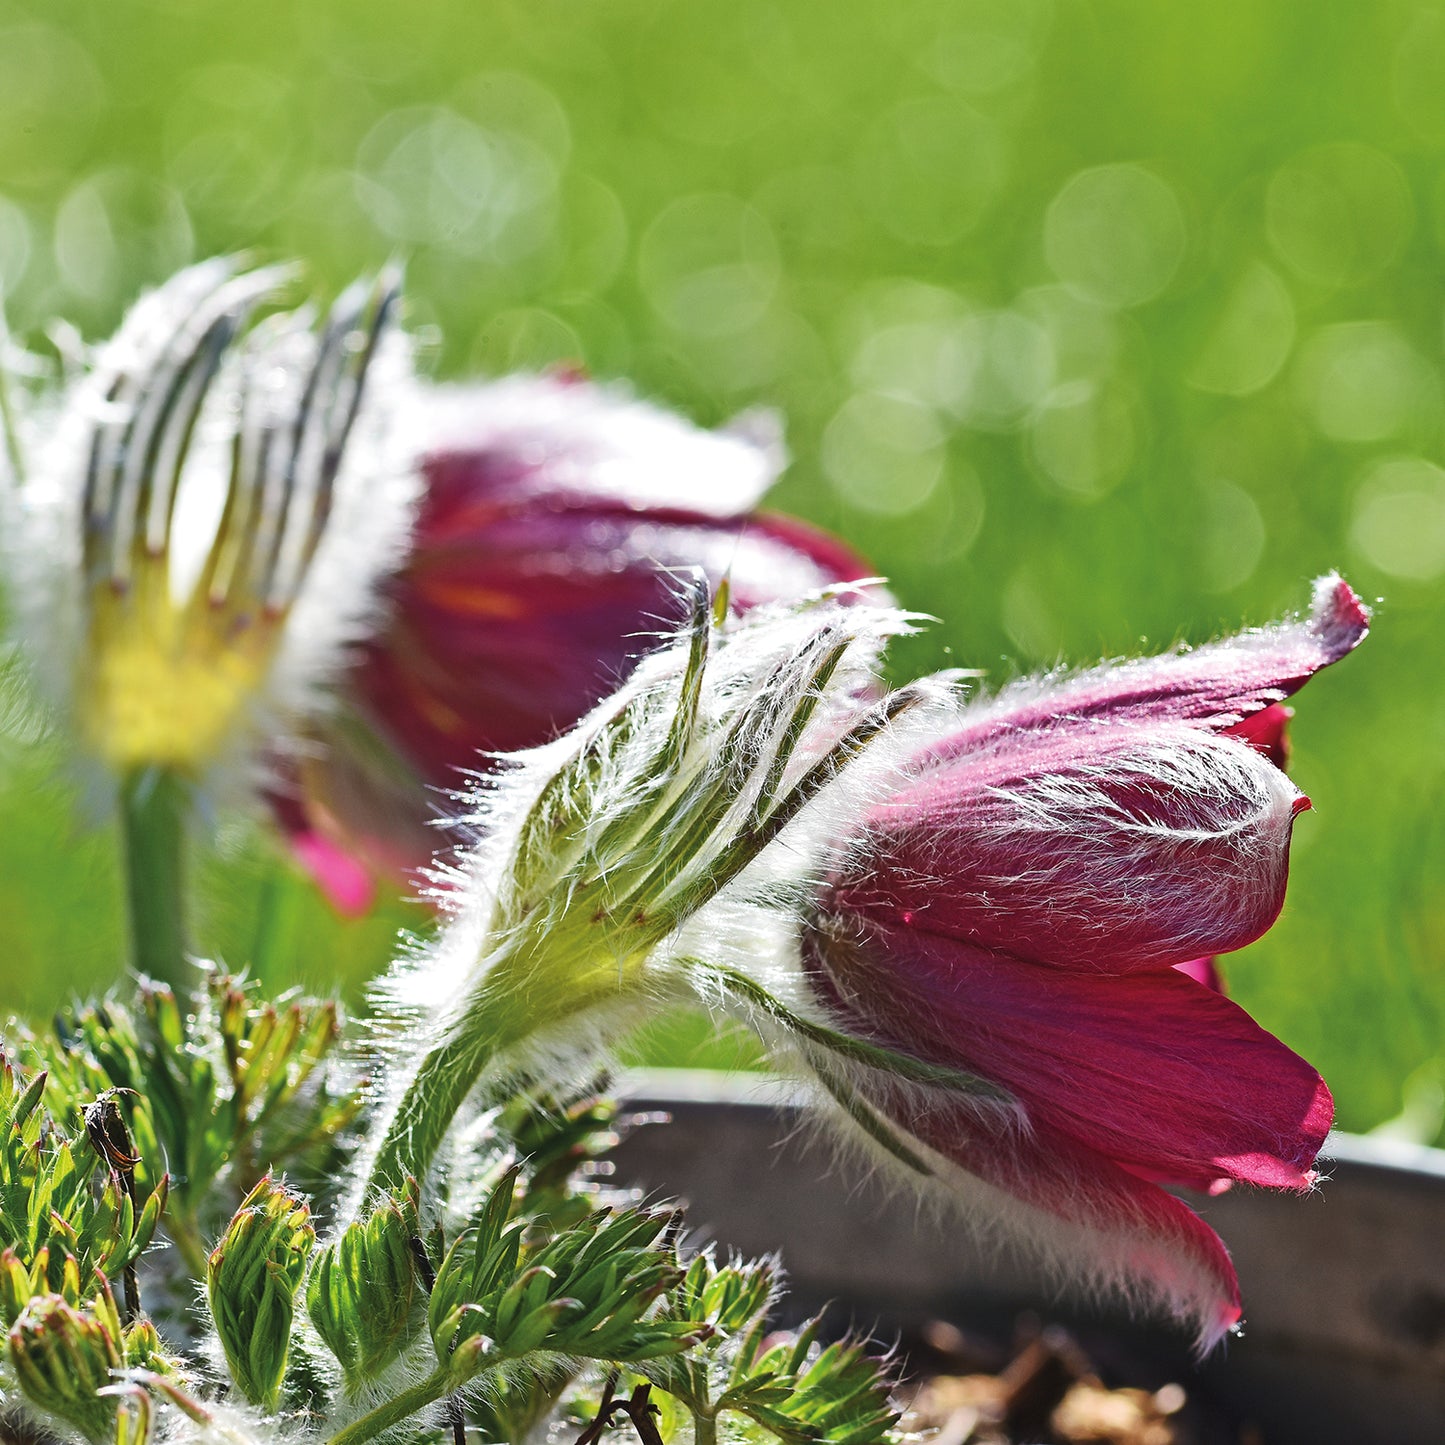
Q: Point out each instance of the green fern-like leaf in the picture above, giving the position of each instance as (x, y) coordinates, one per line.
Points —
(61, 1206)
(586, 1292)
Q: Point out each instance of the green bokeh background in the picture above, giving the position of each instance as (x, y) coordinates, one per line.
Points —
(1099, 325)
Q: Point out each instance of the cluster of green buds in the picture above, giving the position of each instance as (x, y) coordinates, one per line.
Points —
(70, 1212)
(212, 1085)
(493, 1300)
(507, 1296)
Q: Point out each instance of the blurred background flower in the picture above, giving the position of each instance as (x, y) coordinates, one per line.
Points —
(1092, 323)
(559, 524)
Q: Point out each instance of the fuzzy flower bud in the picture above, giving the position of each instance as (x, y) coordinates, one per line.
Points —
(587, 1292)
(598, 849)
(64, 1356)
(252, 1278)
(360, 1292)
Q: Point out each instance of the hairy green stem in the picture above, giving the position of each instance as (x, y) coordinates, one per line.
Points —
(433, 1098)
(704, 1429)
(394, 1411)
(154, 804)
(522, 990)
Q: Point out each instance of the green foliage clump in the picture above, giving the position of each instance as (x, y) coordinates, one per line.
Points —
(548, 1299)
(219, 1091)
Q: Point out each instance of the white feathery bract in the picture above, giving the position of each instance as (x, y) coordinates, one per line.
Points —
(612, 445)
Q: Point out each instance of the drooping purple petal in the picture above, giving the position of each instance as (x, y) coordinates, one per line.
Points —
(1100, 848)
(1087, 1217)
(1152, 1072)
(1034, 904)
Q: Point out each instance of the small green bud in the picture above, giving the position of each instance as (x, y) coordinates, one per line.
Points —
(15, 1287)
(29, 1100)
(63, 1357)
(252, 1278)
(141, 1344)
(57, 1274)
(361, 1292)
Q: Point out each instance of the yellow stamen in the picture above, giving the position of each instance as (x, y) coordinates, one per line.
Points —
(165, 684)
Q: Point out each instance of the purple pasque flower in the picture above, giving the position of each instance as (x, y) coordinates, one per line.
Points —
(555, 518)
(1028, 905)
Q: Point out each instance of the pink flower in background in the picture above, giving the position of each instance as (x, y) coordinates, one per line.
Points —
(556, 515)
(1036, 905)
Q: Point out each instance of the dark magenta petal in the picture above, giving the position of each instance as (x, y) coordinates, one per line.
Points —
(557, 518)
(1103, 848)
(502, 637)
(1265, 731)
(1080, 1212)
(1218, 685)
(1158, 1075)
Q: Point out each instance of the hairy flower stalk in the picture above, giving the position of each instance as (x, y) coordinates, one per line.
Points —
(198, 544)
(598, 849)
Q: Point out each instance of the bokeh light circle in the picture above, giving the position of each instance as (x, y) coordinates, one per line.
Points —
(1116, 233)
(883, 454)
(1398, 524)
